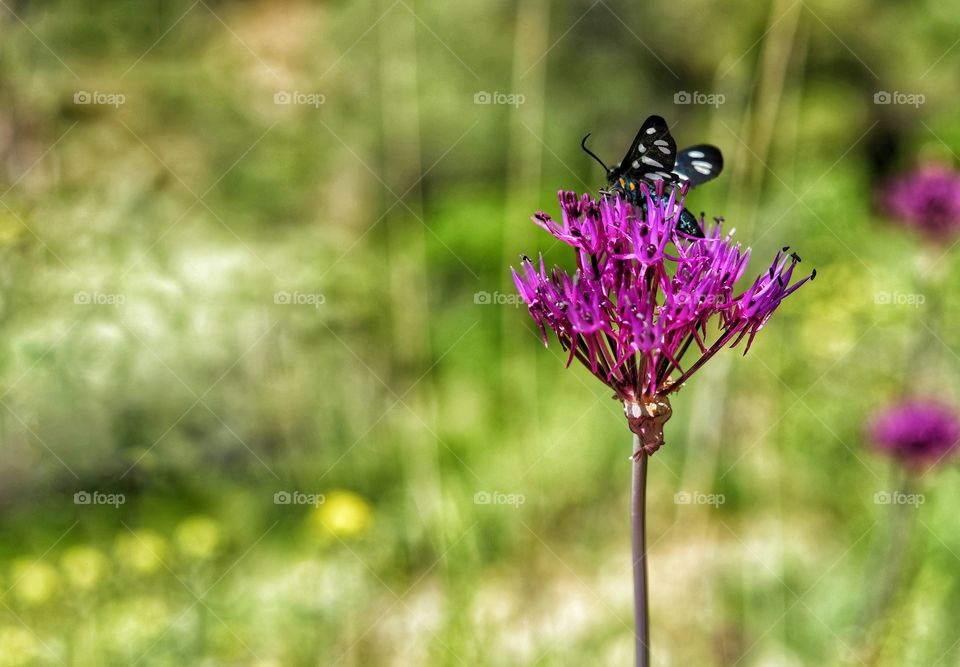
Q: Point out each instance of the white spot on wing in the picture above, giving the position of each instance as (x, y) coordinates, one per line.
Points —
(660, 142)
(696, 154)
(646, 159)
(703, 167)
(651, 130)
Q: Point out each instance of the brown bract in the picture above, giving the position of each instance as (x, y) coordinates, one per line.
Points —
(646, 418)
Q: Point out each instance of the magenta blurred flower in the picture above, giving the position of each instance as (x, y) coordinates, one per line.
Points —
(643, 294)
(918, 432)
(926, 199)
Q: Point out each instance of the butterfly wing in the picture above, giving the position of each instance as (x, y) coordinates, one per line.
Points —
(698, 164)
(652, 154)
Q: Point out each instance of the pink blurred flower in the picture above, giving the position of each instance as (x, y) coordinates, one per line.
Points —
(918, 432)
(926, 199)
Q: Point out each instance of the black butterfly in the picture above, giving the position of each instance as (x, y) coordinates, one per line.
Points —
(653, 157)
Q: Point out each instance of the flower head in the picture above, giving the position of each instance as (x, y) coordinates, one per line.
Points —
(643, 294)
(342, 513)
(34, 581)
(19, 645)
(84, 566)
(198, 537)
(918, 432)
(142, 552)
(926, 199)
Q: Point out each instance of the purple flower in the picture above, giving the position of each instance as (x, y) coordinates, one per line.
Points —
(926, 199)
(643, 294)
(918, 432)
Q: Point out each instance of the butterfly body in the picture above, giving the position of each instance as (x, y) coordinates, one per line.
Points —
(653, 157)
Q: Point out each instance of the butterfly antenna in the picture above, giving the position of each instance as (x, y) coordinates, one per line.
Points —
(583, 145)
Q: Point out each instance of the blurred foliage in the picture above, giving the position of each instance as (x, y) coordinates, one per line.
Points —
(209, 297)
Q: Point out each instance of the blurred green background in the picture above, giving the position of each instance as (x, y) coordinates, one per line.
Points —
(256, 312)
